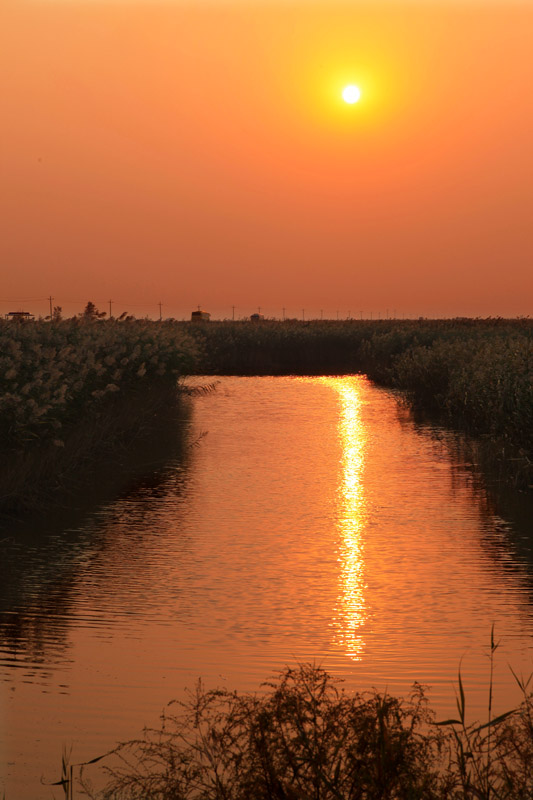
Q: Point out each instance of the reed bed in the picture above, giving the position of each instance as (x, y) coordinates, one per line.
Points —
(53, 373)
(70, 390)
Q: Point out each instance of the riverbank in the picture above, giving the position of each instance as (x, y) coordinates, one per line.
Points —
(475, 376)
(73, 395)
(72, 391)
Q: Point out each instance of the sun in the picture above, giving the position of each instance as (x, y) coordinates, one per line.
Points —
(351, 94)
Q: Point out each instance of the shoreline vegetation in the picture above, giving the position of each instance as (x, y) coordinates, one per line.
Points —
(73, 391)
(304, 737)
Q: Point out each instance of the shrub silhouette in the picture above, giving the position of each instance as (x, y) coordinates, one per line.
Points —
(305, 738)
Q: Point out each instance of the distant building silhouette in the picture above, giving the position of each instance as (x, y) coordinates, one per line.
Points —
(19, 316)
(200, 316)
(256, 317)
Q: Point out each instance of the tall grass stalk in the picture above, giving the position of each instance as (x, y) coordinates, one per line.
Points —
(66, 782)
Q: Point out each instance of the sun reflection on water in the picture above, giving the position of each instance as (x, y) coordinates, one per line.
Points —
(350, 612)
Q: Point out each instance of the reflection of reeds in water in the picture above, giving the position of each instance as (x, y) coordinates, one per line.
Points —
(350, 612)
(43, 560)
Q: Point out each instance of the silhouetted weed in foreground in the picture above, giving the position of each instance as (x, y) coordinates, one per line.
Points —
(305, 738)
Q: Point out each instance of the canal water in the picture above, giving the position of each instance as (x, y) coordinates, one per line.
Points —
(308, 520)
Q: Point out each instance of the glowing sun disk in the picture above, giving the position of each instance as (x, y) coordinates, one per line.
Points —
(351, 94)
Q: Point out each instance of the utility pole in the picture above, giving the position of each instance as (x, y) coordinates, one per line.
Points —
(160, 304)
(110, 312)
(50, 299)
(283, 312)
(233, 313)
(303, 314)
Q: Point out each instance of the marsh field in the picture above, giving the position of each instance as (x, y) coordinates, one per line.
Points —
(230, 500)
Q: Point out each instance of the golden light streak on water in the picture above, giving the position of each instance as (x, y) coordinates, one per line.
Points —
(351, 613)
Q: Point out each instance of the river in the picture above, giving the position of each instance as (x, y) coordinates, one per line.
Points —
(309, 520)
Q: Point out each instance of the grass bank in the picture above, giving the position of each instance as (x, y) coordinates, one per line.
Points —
(475, 375)
(73, 392)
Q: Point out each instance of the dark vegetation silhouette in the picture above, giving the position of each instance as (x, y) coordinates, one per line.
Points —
(90, 313)
(73, 391)
(304, 738)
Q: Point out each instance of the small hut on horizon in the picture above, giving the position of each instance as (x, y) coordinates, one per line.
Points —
(200, 316)
(20, 316)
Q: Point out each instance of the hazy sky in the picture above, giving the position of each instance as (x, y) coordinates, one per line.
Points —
(201, 153)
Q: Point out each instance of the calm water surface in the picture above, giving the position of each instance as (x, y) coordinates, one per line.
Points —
(310, 520)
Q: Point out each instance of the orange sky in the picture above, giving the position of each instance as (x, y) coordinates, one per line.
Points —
(200, 153)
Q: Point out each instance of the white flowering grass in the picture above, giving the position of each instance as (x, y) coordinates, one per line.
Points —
(54, 374)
